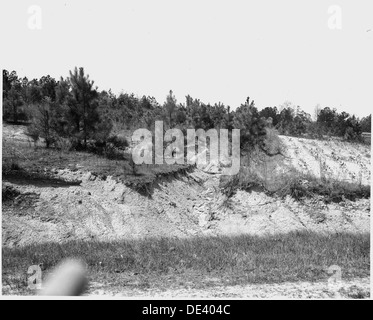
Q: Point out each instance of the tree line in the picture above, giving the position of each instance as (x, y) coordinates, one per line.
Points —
(72, 112)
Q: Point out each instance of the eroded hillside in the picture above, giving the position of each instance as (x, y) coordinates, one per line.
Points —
(86, 206)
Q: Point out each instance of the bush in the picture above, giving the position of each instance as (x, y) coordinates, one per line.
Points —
(42, 125)
(112, 148)
(118, 142)
(9, 193)
(33, 133)
(272, 144)
(64, 144)
(246, 179)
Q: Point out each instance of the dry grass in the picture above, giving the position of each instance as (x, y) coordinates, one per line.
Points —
(231, 259)
(23, 159)
(275, 178)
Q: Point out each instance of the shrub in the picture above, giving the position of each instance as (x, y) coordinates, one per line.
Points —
(118, 142)
(9, 193)
(42, 125)
(246, 179)
(112, 148)
(272, 144)
(64, 144)
(294, 184)
(33, 133)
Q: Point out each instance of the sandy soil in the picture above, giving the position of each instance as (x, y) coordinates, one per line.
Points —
(332, 158)
(287, 290)
(183, 205)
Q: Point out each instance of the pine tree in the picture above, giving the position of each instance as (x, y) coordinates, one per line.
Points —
(12, 103)
(170, 106)
(83, 104)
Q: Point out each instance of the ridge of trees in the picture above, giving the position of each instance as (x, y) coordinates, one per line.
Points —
(72, 111)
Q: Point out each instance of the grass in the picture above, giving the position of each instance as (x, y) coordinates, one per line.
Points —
(292, 183)
(354, 292)
(330, 190)
(164, 262)
(23, 160)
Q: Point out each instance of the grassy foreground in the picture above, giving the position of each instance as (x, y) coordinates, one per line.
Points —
(170, 262)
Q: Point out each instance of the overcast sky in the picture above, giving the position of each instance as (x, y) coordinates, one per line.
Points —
(273, 51)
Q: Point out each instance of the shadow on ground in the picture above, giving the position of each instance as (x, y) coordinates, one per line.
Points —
(23, 178)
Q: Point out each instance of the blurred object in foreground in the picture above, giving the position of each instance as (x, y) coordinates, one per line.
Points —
(68, 279)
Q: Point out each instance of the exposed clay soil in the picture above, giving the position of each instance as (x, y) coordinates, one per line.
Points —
(79, 205)
(333, 158)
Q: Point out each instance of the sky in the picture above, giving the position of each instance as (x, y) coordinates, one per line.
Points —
(272, 51)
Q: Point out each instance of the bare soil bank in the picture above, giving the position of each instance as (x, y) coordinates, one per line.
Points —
(77, 205)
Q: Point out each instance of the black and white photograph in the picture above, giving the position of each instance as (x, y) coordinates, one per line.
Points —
(186, 150)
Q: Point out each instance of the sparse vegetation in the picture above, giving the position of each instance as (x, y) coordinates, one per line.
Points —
(265, 169)
(9, 194)
(41, 162)
(294, 184)
(354, 292)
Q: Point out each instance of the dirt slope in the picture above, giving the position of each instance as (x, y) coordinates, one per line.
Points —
(87, 207)
(332, 158)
